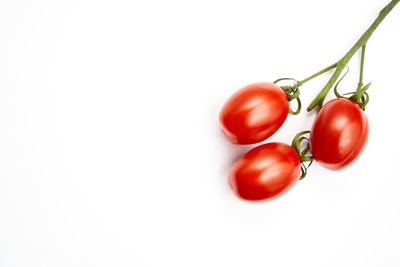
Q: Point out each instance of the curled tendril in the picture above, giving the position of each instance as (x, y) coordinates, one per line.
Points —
(364, 100)
(297, 111)
(304, 169)
(296, 145)
(292, 92)
(286, 79)
(335, 88)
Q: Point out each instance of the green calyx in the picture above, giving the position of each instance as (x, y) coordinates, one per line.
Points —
(292, 93)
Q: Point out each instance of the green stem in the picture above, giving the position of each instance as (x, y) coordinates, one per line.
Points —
(360, 89)
(318, 73)
(341, 64)
(360, 82)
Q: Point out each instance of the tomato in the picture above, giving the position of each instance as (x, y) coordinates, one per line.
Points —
(339, 134)
(254, 113)
(265, 172)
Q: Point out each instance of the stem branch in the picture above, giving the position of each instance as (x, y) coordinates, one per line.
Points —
(341, 64)
(318, 73)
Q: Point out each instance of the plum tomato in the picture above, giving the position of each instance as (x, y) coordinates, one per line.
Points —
(339, 134)
(254, 113)
(265, 172)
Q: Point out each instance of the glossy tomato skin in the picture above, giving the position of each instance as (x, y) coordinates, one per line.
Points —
(339, 134)
(265, 172)
(254, 113)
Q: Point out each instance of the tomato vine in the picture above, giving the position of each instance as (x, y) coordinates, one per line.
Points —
(342, 63)
(337, 137)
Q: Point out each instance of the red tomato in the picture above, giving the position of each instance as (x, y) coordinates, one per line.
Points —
(254, 113)
(339, 134)
(265, 172)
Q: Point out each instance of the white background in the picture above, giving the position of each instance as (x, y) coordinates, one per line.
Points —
(110, 148)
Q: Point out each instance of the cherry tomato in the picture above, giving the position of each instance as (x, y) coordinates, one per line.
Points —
(254, 113)
(339, 134)
(265, 172)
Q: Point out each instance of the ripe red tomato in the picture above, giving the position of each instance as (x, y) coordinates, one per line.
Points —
(265, 172)
(339, 134)
(254, 113)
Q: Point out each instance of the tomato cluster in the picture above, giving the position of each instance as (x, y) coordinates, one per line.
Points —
(337, 137)
(257, 111)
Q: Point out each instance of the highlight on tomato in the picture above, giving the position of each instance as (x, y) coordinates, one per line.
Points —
(254, 113)
(339, 134)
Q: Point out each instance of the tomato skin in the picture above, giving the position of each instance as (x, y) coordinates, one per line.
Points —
(339, 134)
(265, 172)
(254, 113)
